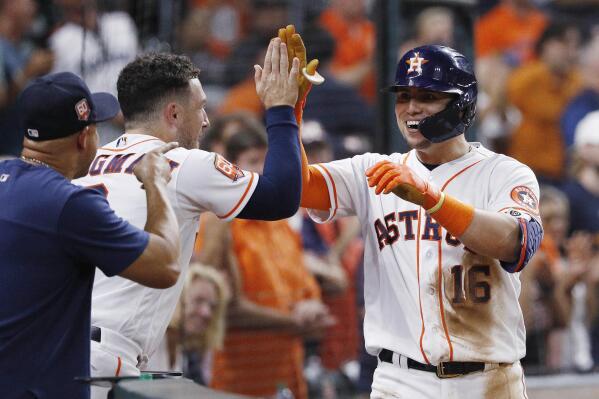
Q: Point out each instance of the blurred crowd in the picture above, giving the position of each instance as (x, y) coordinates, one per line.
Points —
(275, 308)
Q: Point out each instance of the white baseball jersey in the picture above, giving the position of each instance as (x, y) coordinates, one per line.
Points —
(426, 296)
(201, 181)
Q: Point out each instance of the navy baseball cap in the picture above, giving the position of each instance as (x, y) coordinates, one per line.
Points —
(60, 104)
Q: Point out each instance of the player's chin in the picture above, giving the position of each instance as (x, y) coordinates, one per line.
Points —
(415, 139)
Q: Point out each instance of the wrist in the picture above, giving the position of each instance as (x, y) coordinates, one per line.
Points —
(278, 104)
(433, 198)
(452, 214)
(279, 114)
(437, 206)
(154, 182)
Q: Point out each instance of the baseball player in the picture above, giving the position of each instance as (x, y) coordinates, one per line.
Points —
(162, 99)
(447, 227)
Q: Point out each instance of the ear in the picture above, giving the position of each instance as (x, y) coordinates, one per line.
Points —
(82, 139)
(85, 137)
(173, 114)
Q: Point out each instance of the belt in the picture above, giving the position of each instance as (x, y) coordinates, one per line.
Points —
(442, 370)
(96, 334)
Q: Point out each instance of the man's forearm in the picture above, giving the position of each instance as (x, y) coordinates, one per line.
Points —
(494, 235)
(277, 195)
(249, 315)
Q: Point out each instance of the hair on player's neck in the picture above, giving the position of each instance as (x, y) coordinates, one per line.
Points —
(149, 124)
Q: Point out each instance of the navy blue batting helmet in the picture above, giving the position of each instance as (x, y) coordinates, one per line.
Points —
(441, 69)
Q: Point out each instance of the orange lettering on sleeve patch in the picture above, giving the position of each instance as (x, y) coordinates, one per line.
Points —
(227, 168)
(526, 198)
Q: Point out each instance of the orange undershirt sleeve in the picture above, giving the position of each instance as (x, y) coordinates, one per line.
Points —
(315, 194)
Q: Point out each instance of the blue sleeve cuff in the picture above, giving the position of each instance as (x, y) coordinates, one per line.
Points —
(280, 114)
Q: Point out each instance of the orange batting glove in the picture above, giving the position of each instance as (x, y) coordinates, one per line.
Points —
(451, 213)
(403, 182)
(296, 48)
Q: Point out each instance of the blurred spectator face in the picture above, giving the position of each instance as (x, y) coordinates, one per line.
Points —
(21, 12)
(201, 301)
(554, 214)
(435, 25)
(561, 53)
(268, 20)
(252, 159)
(195, 31)
(590, 65)
(350, 9)
(314, 139)
(413, 105)
(586, 141)
(81, 12)
(229, 129)
(195, 119)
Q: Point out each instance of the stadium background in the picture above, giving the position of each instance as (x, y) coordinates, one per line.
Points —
(359, 42)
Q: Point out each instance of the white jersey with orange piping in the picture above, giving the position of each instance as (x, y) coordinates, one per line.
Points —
(426, 295)
(201, 181)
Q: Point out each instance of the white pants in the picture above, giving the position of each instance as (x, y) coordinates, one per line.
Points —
(393, 381)
(111, 358)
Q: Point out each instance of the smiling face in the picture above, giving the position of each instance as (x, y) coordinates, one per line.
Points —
(202, 300)
(414, 104)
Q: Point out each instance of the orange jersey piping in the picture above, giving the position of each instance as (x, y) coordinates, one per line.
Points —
(247, 189)
(441, 307)
(418, 276)
(440, 293)
(336, 206)
(459, 173)
(118, 367)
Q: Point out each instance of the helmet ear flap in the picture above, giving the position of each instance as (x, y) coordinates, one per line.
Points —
(452, 121)
(444, 124)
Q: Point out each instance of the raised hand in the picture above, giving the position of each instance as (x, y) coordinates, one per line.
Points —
(276, 83)
(389, 177)
(296, 48)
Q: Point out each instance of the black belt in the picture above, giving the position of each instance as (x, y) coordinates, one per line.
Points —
(96, 334)
(443, 370)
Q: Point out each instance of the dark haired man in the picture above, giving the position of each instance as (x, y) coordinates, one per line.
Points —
(162, 99)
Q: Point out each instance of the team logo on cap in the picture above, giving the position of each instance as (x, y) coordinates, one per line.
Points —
(83, 110)
(525, 197)
(416, 63)
(33, 133)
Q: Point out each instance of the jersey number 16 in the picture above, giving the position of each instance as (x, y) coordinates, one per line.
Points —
(477, 290)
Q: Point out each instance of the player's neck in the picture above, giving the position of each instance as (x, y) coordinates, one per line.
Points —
(149, 130)
(447, 151)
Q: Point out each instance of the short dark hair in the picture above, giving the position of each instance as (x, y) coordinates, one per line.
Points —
(244, 140)
(148, 79)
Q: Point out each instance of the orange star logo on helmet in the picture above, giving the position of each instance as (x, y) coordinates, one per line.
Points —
(416, 63)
